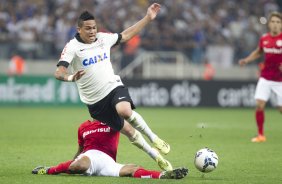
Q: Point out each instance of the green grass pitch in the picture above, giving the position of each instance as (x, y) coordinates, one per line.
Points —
(32, 136)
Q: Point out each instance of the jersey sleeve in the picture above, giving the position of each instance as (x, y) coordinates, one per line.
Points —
(112, 39)
(67, 54)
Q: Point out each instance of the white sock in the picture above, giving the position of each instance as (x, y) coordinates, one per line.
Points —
(139, 141)
(139, 123)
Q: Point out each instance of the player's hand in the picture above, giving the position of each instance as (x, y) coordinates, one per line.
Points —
(78, 75)
(153, 10)
(243, 62)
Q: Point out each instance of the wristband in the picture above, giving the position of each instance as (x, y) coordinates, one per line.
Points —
(70, 78)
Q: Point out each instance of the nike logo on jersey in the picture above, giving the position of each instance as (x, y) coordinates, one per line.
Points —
(120, 98)
(84, 49)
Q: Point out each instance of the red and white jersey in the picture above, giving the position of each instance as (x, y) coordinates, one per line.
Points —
(95, 135)
(272, 47)
(99, 78)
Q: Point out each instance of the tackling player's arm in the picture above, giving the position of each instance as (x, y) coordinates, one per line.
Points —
(79, 150)
(253, 56)
(80, 142)
(62, 73)
(136, 28)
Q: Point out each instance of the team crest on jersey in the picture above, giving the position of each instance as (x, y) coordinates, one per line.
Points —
(279, 43)
(265, 42)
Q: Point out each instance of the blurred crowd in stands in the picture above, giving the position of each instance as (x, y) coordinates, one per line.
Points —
(39, 29)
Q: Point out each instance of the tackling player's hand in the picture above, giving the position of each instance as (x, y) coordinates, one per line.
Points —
(78, 75)
(243, 62)
(153, 10)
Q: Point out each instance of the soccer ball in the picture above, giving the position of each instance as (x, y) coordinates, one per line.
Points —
(206, 160)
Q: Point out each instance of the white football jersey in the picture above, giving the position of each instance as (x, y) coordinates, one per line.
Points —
(99, 78)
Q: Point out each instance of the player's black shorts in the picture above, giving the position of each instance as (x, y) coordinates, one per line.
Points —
(105, 110)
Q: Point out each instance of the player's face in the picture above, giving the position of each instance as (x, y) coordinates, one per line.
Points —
(275, 25)
(88, 31)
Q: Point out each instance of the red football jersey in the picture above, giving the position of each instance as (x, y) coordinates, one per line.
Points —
(272, 47)
(95, 135)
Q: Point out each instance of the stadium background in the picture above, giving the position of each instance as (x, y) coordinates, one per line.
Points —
(190, 40)
(187, 40)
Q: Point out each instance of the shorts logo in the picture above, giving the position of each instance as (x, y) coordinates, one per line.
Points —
(120, 98)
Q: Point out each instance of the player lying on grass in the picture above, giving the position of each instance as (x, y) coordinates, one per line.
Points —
(96, 156)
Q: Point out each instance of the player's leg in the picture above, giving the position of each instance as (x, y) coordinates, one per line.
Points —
(128, 170)
(80, 165)
(262, 94)
(135, 171)
(139, 172)
(132, 170)
(60, 168)
(93, 163)
(110, 168)
(124, 109)
(138, 140)
(260, 106)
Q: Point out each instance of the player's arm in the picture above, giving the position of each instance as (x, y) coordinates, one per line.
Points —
(136, 28)
(253, 56)
(79, 150)
(62, 73)
(80, 142)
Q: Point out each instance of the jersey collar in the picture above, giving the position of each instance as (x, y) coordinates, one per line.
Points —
(77, 36)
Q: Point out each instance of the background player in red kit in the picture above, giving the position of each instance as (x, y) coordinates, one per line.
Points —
(271, 76)
(96, 156)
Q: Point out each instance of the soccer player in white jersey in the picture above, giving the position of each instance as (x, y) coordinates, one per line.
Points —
(271, 75)
(103, 92)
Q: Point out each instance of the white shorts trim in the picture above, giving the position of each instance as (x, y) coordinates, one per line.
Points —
(101, 164)
(264, 89)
